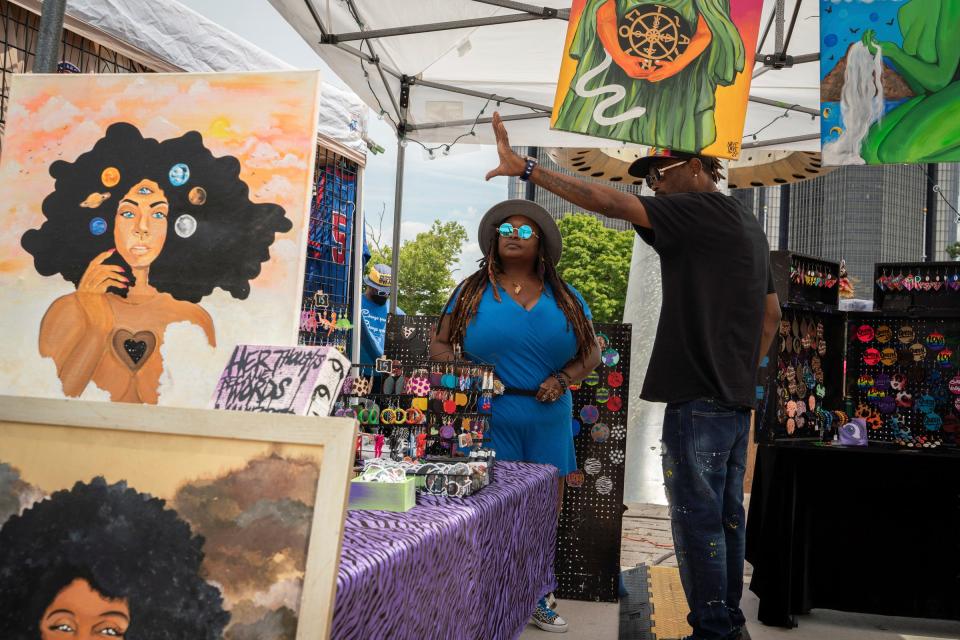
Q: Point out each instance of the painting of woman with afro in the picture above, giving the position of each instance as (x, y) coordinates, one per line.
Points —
(104, 561)
(144, 229)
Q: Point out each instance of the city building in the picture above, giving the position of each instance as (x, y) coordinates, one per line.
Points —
(862, 214)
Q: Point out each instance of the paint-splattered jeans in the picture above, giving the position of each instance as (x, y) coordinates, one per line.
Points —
(704, 460)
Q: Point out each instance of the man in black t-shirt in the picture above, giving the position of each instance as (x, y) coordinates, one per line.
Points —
(719, 316)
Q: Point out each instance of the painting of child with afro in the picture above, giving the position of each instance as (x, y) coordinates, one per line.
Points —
(104, 561)
(144, 229)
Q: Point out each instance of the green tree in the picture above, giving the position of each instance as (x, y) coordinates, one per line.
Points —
(426, 267)
(596, 260)
(953, 250)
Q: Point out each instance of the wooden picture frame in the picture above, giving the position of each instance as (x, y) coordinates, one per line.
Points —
(335, 436)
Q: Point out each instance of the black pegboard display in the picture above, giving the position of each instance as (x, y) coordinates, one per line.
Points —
(805, 280)
(916, 286)
(408, 338)
(802, 377)
(903, 378)
(588, 537)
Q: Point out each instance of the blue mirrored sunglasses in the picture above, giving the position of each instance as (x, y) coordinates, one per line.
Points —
(524, 231)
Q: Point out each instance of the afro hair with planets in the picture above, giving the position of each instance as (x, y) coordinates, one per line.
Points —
(218, 236)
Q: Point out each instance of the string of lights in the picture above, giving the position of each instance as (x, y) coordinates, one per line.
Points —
(785, 114)
(939, 191)
(444, 148)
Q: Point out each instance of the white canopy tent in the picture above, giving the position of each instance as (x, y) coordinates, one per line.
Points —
(438, 68)
(167, 36)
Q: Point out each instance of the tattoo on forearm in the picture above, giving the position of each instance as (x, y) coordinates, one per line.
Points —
(570, 189)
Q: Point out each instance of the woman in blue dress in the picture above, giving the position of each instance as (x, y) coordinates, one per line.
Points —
(516, 313)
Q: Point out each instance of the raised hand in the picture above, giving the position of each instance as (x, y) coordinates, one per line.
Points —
(92, 289)
(511, 164)
(99, 277)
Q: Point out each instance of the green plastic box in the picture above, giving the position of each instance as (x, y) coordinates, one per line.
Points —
(383, 496)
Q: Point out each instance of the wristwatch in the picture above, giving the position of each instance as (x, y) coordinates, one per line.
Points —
(527, 170)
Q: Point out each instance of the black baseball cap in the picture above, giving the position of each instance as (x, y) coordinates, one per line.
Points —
(641, 166)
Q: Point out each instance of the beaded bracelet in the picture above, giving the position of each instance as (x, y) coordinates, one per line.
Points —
(562, 378)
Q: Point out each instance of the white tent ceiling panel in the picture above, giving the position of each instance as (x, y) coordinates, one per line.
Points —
(520, 60)
(169, 36)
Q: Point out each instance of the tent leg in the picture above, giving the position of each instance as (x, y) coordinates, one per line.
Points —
(397, 211)
(359, 231)
(51, 30)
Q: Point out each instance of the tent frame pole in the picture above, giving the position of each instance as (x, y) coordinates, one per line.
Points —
(785, 106)
(334, 38)
(359, 232)
(479, 94)
(398, 192)
(471, 121)
(397, 214)
(316, 17)
(51, 32)
(559, 14)
(766, 143)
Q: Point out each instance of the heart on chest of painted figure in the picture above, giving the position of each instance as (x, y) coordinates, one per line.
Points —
(134, 349)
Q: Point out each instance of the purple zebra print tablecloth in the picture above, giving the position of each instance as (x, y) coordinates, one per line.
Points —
(451, 568)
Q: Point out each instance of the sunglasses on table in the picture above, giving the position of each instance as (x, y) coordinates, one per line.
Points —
(524, 231)
(655, 174)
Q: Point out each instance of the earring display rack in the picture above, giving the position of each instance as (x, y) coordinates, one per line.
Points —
(804, 377)
(587, 559)
(917, 286)
(897, 367)
(805, 280)
(428, 408)
(587, 562)
(903, 378)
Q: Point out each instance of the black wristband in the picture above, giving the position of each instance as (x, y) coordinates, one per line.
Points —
(562, 378)
(527, 170)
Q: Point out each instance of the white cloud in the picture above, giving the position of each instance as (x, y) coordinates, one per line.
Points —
(468, 260)
(410, 229)
(198, 88)
(265, 156)
(54, 114)
(276, 186)
(285, 593)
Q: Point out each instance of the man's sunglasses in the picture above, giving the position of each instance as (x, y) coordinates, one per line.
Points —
(524, 231)
(656, 173)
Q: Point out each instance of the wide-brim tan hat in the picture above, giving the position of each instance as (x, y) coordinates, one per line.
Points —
(549, 232)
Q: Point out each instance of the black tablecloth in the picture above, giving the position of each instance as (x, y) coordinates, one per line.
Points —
(860, 529)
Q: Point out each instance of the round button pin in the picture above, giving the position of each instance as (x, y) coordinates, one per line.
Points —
(611, 357)
(600, 432)
(589, 414)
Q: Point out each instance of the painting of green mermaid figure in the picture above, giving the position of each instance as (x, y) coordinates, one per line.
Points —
(893, 96)
(665, 73)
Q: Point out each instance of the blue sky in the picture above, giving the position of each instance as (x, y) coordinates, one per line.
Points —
(448, 188)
